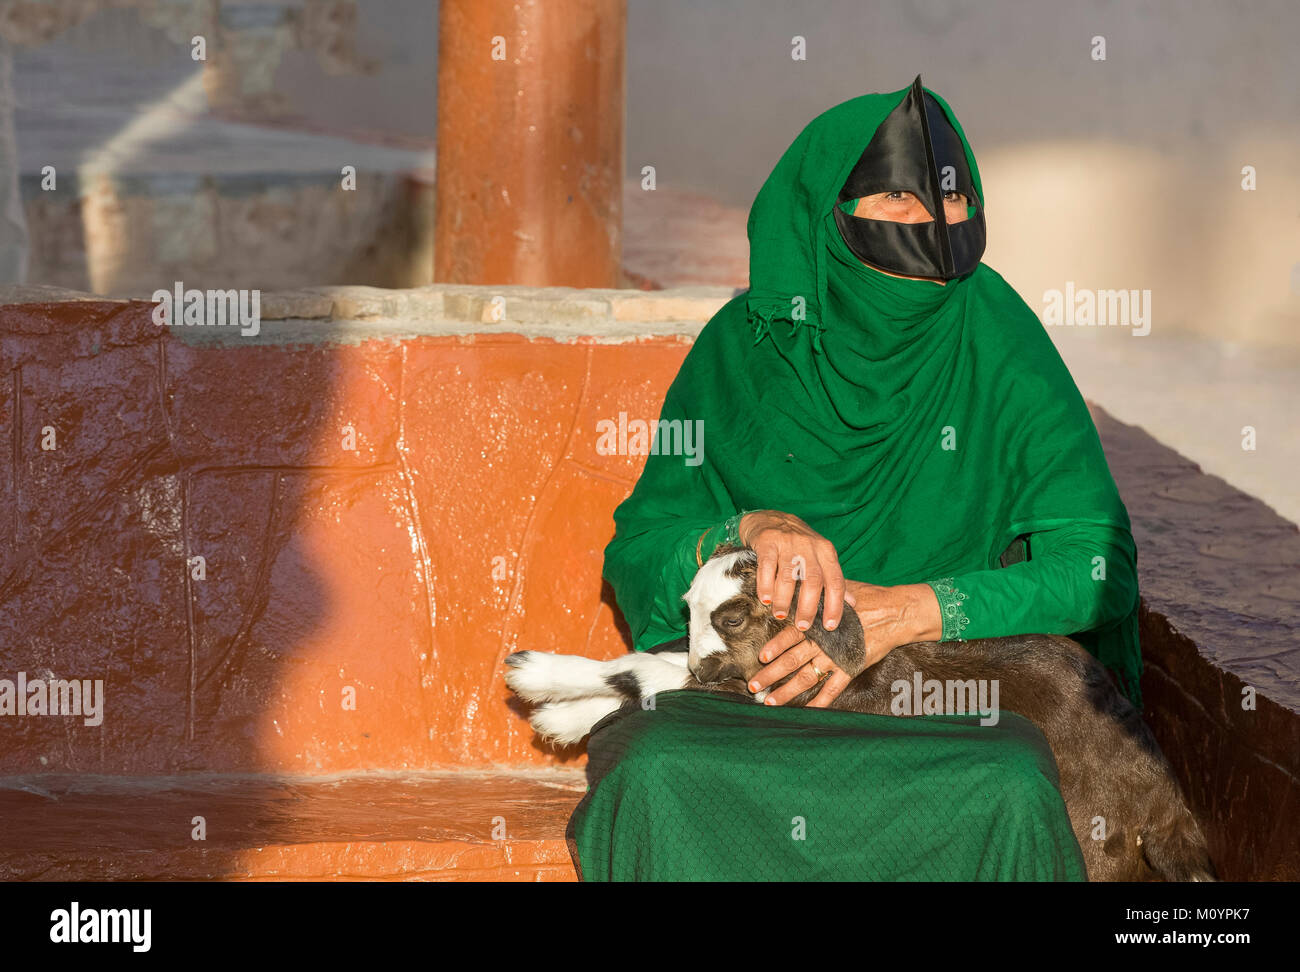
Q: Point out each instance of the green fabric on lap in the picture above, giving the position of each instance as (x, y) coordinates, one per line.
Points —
(707, 787)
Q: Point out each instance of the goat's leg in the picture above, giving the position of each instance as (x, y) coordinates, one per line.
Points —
(566, 723)
(578, 692)
(536, 676)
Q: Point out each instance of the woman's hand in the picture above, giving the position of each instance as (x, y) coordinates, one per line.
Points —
(790, 550)
(890, 616)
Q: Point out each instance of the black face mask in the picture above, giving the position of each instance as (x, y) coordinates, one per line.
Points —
(915, 149)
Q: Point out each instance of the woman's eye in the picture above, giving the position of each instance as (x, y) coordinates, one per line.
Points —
(898, 194)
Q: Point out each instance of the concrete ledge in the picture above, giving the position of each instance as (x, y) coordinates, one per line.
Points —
(348, 315)
(462, 826)
(1220, 630)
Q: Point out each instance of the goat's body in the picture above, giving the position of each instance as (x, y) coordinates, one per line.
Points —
(1124, 806)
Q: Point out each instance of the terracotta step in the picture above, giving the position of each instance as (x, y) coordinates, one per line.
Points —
(436, 826)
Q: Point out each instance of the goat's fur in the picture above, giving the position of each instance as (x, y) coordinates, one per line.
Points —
(1110, 766)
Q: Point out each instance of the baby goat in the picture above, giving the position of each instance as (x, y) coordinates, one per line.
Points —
(1109, 763)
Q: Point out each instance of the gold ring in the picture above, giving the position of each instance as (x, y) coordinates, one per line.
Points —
(820, 674)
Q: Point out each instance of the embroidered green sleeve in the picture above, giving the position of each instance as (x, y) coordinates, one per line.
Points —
(728, 531)
(733, 528)
(950, 606)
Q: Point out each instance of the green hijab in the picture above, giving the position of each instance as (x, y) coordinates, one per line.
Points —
(920, 428)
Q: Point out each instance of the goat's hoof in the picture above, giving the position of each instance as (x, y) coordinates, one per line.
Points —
(531, 676)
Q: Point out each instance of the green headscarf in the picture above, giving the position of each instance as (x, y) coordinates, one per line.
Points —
(919, 427)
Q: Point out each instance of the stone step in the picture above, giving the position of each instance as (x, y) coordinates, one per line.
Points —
(455, 825)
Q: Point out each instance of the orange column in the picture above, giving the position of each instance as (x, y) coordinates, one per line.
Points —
(530, 142)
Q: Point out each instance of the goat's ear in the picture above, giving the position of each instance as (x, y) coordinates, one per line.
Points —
(846, 643)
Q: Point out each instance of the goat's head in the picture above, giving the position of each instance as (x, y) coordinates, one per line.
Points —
(729, 625)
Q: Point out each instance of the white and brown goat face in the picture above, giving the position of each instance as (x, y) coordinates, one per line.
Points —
(729, 625)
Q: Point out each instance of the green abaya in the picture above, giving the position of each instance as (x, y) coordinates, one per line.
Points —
(930, 432)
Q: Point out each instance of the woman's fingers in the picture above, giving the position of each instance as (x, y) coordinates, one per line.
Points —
(769, 560)
(791, 551)
(783, 640)
(833, 584)
(815, 567)
(810, 593)
(802, 680)
(785, 652)
(788, 571)
(831, 688)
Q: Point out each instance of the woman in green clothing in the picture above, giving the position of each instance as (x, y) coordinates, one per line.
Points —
(885, 416)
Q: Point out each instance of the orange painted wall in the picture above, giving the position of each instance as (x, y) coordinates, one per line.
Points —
(468, 522)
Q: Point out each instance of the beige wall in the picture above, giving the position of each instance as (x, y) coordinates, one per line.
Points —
(1123, 173)
(1106, 214)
